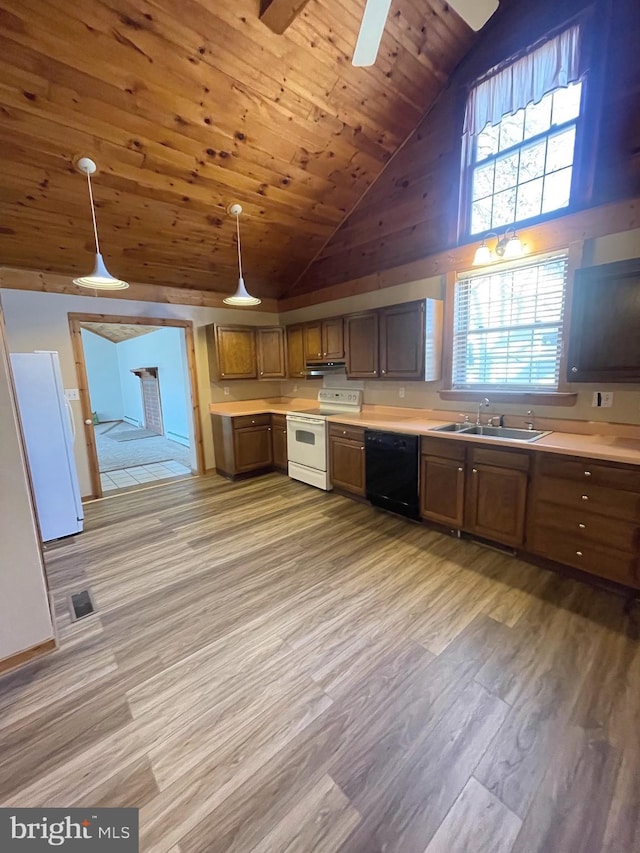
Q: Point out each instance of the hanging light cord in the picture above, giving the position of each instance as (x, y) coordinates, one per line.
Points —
(93, 214)
(238, 233)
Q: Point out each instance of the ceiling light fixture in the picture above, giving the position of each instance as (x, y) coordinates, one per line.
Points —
(100, 278)
(507, 247)
(240, 298)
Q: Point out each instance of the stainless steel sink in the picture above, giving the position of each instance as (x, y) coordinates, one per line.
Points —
(461, 427)
(506, 433)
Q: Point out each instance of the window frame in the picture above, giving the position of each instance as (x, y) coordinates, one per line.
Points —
(585, 144)
(577, 257)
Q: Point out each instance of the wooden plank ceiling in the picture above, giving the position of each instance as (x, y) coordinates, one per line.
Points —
(118, 332)
(189, 106)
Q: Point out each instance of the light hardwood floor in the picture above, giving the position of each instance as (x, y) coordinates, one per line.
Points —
(278, 669)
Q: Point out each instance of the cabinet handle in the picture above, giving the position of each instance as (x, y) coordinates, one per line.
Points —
(461, 468)
(474, 470)
(269, 428)
(585, 497)
(375, 372)
(253, 422)
(383, 372)
(261, 373)
(344, 432)
(574, 369)
(578, 553)
(582, 526)
(587, 473)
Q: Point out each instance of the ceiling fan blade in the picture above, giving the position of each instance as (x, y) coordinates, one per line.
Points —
(371, 29)
(475, 13)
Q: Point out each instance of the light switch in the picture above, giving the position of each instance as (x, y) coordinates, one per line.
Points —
(72, 393)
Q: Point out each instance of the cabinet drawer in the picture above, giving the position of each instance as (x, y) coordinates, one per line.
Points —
(585, 471)
(594, 499)
(443, 447)
(353, 433)
(575, 551)
(499, 458)
(598, 529)
(243, 421)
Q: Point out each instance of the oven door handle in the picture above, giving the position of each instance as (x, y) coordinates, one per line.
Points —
(307, 421)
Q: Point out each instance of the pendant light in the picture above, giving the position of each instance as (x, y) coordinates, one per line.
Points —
(240, 297)
(100, 278)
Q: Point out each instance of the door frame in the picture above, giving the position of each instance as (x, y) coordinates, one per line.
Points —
(75, 325)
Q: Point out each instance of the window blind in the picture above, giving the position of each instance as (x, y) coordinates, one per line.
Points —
(508, 327)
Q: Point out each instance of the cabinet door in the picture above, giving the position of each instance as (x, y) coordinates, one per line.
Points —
(252, 448)
(604, 344)
(295, 352)
(333, 338)
(347, 465)
(271, 353)
(236, 351)
(279, 441)
(442, 490)
(496, 503)
(313, 341)
(402, 346)
(361, 345)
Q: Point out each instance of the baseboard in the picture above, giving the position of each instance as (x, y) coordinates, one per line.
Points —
(21, 658)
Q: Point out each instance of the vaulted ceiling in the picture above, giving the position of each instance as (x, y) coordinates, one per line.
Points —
(187, 106)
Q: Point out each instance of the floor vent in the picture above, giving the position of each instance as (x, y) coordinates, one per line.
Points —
(81, 605)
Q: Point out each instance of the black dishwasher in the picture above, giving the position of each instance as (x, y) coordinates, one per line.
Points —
(392, 471)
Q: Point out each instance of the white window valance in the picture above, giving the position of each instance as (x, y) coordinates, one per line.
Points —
(527, 80)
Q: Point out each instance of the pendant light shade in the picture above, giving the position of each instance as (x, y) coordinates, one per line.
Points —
(100, 278)
(240, 298)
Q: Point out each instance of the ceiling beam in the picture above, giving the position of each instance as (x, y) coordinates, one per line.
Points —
(280, 14)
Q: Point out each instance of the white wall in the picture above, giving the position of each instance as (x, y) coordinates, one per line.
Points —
(103, 374)
(25, 620)
(36, 320)
(165, 350)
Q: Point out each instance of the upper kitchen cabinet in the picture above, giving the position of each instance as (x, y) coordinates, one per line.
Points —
(604, 339)
(232, 352)
(271, 353)
(324, 340)
(411, 340)
(361, 345)
(295, 351)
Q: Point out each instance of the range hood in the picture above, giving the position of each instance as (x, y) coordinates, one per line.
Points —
(325, 368)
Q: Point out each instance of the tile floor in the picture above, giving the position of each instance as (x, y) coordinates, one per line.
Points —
(124, 478)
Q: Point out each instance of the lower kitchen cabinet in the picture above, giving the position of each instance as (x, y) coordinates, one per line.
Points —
(586, 514)
(279, 441)
(479, 490)
(242, 445)
(346, 452)
(442, 482)
(496, 497)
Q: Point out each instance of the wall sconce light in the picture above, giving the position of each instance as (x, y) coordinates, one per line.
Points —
(507, 247)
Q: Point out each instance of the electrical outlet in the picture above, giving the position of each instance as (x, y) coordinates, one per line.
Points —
(401, 391)
(226, 390)
(602, 399)
(72, 393)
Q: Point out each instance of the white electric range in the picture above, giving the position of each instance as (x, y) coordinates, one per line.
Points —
(307, 436)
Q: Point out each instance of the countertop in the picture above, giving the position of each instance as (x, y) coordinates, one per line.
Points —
(608, 447)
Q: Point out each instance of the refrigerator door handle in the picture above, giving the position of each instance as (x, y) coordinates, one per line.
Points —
(71, 421)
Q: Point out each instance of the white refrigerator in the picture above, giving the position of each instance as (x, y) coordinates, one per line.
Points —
(49, 434)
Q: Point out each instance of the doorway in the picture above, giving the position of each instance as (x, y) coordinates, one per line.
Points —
(139, 401)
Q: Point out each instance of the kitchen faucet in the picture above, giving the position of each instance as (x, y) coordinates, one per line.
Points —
(483, 402)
